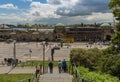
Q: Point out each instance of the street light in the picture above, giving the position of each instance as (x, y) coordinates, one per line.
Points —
(43, 43)
(30, 53)
(14, 52)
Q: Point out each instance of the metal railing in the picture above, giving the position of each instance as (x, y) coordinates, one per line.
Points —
(35, 76)
(32, 79)
(76, 74)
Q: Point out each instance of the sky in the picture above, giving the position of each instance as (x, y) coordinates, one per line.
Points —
(54, 11)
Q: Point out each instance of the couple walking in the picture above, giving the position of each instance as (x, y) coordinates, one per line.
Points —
(62, 66)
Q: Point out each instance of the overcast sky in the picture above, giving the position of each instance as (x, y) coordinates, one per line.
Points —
(54, 11)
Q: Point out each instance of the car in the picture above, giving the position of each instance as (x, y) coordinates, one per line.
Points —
(1, 39)
(9, 40)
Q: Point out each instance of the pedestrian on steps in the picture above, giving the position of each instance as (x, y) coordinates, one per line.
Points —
(64, 65)
(50, 64)
(37, 72)
(59, 66)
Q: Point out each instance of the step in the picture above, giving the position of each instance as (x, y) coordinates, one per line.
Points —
(63, 77)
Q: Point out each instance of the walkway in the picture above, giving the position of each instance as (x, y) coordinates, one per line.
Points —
(56, 77)
(16, 70)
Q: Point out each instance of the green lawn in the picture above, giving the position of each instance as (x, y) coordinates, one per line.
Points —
(35, 63)
(14, 77)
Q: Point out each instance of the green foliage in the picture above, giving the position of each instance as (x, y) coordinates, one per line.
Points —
(97, 76)
(112, 65)
(115, 6)
(98, 60)
(110, 50)
(86, 58)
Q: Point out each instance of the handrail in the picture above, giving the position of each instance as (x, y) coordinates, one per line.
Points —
(77, 75)
(32, 79)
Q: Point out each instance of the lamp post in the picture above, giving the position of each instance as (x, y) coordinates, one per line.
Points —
(30, 53)
(43, 43)
(14, 52)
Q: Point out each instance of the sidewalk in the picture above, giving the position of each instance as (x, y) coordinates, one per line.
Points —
(16, 70)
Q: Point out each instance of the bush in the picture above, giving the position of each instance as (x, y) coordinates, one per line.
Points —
(97, 60)
(86, 58)
(96, 77)
(112, 65)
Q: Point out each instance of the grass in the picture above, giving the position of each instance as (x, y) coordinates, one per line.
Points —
(18, 77)
(14, 77)
(36, 63)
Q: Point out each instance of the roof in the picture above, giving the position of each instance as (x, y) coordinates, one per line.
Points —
(59, 25)
(3, 26)
(46, 30)
(105, 25)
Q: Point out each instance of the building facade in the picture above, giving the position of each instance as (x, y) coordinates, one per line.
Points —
(59, 33)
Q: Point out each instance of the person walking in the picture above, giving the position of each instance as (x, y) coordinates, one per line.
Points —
(37, 72)
(59, 66)
(50, 64)
(64, 65)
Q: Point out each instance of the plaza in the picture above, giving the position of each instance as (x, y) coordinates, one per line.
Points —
(23, 52)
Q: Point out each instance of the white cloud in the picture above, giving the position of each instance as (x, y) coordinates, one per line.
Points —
(11, 18)
(39, 10)
(8, 6)
(65, 11)
(100, 17)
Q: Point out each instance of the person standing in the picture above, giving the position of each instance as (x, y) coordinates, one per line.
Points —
(64, 65)
(50, 64)
(59, 66)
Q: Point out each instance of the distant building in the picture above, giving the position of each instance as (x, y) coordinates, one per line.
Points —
(60, 32)
(76, 33)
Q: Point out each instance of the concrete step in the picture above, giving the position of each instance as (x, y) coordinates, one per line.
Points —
(63, 77)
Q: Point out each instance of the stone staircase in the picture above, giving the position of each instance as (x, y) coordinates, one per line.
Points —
(63, 77)
(56, 77)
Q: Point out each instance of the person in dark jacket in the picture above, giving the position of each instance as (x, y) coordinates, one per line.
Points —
(50, 64)
(64, 65)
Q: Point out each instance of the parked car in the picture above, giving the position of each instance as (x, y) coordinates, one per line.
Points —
(9, 40)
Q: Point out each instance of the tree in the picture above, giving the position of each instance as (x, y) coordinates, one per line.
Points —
(114, 5)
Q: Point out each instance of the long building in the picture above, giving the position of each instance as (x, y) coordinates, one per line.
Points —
(60, 32)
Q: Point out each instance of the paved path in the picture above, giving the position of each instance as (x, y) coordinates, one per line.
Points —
(17, 70)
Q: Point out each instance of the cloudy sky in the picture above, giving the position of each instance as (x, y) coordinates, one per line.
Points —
(54, 11)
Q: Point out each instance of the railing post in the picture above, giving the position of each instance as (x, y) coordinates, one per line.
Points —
(76, 73)
(72, 68)
(29, 80)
